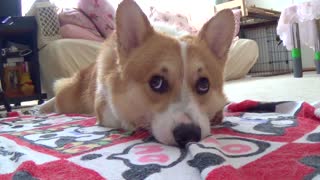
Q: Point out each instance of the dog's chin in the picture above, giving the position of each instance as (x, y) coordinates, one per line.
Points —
(165, 141)
(163, 135)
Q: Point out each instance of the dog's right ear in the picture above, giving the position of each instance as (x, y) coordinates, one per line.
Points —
(133, 27)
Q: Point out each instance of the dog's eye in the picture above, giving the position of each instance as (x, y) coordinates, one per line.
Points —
(159, 84)
(202, 85)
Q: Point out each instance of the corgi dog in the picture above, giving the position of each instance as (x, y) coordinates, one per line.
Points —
(144, 79)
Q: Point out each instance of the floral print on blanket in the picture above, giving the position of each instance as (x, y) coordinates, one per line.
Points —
(72, 139)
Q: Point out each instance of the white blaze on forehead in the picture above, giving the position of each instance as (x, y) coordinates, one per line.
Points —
(184, 55)
(187, 104)
(183, 49)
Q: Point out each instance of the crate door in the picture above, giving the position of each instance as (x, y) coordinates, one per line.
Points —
(263, 64)
(278, 54)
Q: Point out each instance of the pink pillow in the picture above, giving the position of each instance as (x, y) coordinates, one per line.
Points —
(101, 13)
(76, 32)
(75, 17)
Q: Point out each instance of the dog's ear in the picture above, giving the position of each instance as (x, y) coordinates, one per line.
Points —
(218, 33)
(133, 27)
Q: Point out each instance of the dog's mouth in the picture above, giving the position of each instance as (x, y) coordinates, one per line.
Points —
(143, 123)
(180, 134)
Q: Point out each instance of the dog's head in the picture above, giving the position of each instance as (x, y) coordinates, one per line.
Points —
(173, 86)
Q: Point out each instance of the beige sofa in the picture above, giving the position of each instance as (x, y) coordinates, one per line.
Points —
(64, 57)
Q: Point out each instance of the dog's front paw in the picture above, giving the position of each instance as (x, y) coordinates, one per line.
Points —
(128, 126)
(217, 119)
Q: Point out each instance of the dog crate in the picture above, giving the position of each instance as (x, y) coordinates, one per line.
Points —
(274, 58)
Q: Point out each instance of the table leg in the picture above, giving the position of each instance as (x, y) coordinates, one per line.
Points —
(296, 51)
(4, 99)
(317, 47)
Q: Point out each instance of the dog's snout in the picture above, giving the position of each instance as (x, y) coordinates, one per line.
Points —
(185, 133)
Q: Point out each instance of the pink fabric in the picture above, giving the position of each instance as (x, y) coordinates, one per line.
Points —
(75, 17)
(76, 32)
(237, 16)
(180, 21)
(101, 13)
(183, 22)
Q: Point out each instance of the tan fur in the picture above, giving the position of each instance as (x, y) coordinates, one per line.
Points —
(76, 94)
(116, 87)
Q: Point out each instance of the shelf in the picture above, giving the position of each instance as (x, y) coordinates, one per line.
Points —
(5, 61)
(16, 100)
(21, 25)
(22, 31)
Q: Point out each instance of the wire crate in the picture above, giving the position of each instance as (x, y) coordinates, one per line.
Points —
(274, 58)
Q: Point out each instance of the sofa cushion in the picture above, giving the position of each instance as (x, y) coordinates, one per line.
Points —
(101, 12)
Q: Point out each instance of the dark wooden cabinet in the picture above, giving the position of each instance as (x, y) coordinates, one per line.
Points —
(21, 31)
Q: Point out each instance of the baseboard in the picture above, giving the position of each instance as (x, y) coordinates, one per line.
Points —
(309, 69)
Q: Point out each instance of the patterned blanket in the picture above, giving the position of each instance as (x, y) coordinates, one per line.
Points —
(255, 141)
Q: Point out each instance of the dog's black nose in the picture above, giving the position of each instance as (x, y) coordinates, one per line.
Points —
(185, 133)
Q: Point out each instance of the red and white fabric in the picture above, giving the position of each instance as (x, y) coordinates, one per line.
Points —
(267, 140)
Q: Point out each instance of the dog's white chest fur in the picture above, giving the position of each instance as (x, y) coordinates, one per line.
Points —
(110, 110)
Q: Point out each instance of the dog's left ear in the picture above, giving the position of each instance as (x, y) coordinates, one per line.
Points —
(133, 27)
(218, 33)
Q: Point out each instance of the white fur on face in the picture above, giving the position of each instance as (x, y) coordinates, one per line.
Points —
(186, 110)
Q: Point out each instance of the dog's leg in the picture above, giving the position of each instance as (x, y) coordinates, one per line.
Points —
(68, 95)
(104, 114)
(100, 107)
(217, 119)
(49, 106)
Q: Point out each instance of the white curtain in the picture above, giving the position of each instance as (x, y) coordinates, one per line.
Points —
(26, 4)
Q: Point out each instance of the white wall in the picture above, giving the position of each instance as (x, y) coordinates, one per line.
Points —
(307, 53)
(277, 5)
